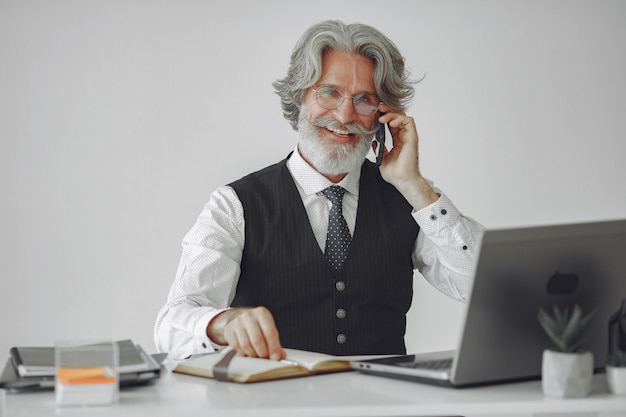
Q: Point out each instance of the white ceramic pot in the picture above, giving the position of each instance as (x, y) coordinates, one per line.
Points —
(616, 377)
(566, 375)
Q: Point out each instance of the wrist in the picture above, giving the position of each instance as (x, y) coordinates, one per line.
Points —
(418, 193)
(216, 326)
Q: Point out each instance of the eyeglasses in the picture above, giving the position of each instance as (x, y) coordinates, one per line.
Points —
(330, 98)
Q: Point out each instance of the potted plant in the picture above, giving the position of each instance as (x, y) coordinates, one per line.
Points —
(616, 373)
(616, 360)
(566, 372)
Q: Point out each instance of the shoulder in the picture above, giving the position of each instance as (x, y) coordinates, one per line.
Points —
(260, 176)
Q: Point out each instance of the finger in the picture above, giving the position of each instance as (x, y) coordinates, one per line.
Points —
(383, 108)
(241, 333)
(274, 348)
(237, 339)
(252, 332)
(257, 335)
(233, 341)
(255, 341)
(400, 122)
(270, 334)
(250, 337)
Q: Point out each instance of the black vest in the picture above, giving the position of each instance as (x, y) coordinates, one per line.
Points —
(360, 309)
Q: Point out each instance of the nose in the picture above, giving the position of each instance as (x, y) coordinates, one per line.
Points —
(345, 113)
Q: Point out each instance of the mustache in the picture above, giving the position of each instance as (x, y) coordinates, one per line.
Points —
(353, 128)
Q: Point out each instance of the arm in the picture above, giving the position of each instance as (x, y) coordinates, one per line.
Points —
(196, 318)
(446, 247)
(206, 278)
(400, 165)
(447, 244)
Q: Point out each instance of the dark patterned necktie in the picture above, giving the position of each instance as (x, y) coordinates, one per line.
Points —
(338, 235)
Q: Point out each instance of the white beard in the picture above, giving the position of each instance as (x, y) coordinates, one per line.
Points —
(329, 157)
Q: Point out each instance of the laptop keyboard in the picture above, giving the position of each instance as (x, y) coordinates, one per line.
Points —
(434, 365)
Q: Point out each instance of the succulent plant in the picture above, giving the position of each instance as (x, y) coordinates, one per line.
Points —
(617, 337)
(566, 328)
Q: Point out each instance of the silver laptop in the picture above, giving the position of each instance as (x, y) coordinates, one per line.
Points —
(517, 272)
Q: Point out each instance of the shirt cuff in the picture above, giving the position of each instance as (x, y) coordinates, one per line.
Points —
(437, 216)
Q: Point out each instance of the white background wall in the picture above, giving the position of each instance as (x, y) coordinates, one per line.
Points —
(118, 119)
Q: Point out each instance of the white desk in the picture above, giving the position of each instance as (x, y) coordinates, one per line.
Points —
(340, 395)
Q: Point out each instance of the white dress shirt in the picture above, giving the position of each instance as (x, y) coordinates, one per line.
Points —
(209, 268)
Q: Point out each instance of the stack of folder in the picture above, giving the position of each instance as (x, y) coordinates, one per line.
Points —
(32, 368)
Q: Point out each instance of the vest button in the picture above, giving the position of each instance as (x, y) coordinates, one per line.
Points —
(340, 285)
(341, 338)
(341, 313)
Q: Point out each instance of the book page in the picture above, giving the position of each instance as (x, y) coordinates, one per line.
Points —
(318, 362)
(321, 362)
(241, 369)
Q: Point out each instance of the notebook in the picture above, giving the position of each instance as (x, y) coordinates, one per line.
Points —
(518, 271)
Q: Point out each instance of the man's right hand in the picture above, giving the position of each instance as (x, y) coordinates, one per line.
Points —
(249, 331)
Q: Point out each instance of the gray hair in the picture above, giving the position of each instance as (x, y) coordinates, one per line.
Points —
(391, 78)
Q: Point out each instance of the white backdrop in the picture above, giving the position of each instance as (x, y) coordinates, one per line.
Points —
(118, 119)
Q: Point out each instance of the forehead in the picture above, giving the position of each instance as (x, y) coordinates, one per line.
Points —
(349, 71)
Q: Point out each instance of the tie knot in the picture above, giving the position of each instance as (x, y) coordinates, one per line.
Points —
(334, 193)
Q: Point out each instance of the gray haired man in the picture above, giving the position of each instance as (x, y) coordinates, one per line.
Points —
(317, 252)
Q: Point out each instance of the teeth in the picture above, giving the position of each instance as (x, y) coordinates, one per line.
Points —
(339, 131)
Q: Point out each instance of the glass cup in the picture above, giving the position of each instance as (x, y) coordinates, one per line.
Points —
(86, 373)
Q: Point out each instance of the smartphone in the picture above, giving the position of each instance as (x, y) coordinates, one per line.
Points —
(380, 138)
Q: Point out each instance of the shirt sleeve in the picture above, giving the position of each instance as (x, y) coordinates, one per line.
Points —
(446, 247)
(206, 278)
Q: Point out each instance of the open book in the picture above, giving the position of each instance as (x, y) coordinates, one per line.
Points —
(244, 369)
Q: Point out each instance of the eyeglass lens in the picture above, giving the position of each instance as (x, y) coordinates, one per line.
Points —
(331, 98)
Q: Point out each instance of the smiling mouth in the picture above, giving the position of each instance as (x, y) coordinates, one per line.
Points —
(339, 132)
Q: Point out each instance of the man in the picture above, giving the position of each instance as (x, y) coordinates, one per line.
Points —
(281, 259)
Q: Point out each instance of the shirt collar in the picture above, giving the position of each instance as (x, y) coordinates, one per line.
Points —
(313, 182)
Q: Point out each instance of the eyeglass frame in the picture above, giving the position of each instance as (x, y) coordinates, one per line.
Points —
(343, 98)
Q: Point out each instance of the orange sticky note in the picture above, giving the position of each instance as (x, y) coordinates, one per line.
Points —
(97, 375)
